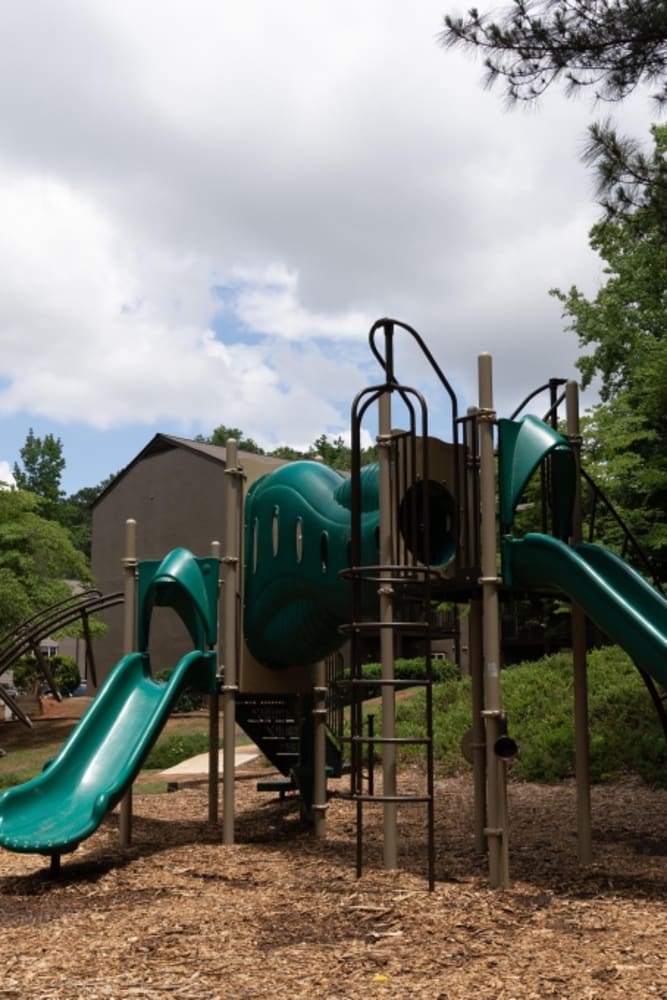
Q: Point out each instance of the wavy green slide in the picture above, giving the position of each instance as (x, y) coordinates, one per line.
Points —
(614, 596)
(54, 812)
(63, 805)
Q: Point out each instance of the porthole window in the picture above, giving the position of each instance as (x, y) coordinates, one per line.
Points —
(298, 540)
(324, 551)
(275, 530)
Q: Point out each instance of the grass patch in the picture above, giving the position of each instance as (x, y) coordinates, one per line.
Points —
(29, 749)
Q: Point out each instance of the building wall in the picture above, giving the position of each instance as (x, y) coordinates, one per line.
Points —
(175, 496)
(176, 499)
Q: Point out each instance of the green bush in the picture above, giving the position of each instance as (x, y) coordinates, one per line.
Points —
(189, 701)
(407, 669)
(28, 676)
(174, 748)
(625, 734)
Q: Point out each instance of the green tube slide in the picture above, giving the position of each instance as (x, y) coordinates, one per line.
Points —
(613, 595)
(55, 811)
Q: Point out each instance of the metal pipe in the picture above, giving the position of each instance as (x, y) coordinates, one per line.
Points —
(496, 830)
(233, 499)
(319, 806)
(386, 594)
(478, 748)
(581, 738)
(214, 732)
(129, 641)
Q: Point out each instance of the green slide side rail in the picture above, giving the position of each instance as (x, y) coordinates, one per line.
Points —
(63, 805)
(613, 595)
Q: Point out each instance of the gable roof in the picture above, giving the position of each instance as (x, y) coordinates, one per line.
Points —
(162, 443)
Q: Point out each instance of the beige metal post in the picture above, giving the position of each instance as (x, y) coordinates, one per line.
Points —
(386, 594)
(475, 652)
(582, 751)
(129, 640)
(233, 499)
(478, 747)
(214, 732)
(496, 831)
(319, 807)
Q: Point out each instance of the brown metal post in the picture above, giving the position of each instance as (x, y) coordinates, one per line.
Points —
(319, 806)
(496, 830)
(476, 660)
(582, 750)
(233, 506)
(129, 632)
(213, 734)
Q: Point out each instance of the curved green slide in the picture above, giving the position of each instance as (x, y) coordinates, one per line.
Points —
(55, 811)
(63, 805)
(614, 596)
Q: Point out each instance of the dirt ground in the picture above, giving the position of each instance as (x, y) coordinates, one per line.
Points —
(281, 915)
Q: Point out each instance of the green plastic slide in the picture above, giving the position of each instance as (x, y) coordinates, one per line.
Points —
(55, 811)
(614, 596)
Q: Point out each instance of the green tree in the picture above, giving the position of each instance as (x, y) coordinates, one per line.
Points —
(36, 558)
(609, 46)
(221, 435)
(75, 514)
(41, 469)
(623, 328)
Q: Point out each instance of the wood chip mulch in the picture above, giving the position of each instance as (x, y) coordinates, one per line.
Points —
(281, 915)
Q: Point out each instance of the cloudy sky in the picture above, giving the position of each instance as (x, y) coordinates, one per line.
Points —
(204, 206)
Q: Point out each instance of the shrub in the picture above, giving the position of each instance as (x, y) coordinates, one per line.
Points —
(407, 669)
(172, 749)
(625, 734)
(189, 700)
(29, 677)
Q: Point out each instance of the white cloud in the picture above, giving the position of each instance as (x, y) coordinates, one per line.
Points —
(281, 175)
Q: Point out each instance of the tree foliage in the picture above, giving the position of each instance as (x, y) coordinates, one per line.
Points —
(221, 434)
(608, 46)
(624, 330)
(36, 558)
(41, 469)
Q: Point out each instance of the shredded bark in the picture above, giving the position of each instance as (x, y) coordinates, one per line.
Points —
(280, 913)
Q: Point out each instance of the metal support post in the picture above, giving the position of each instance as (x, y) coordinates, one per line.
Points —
(129, 633)
(582, 750)
(386, 594)
(213, 733)
(496, 830)
(233, 499)
(319, 806)
(478, 747)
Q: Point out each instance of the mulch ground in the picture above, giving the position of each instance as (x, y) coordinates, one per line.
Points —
(281, 915)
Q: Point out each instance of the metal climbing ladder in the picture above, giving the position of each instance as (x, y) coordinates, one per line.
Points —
(399, 589)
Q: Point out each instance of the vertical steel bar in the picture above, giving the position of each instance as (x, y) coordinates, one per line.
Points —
(478, 737)
(233, 499)
(582, 750)
(214, 732)
(496, 830)
(386, 595)
(319, 807)
(129, 632)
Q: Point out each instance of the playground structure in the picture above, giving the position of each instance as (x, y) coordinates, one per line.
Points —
(313, 557)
